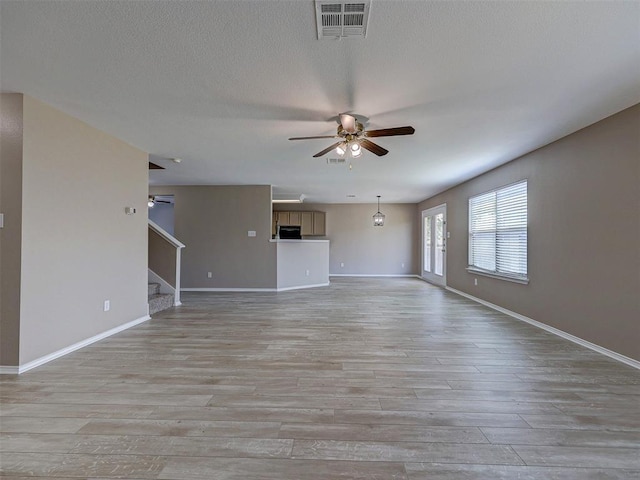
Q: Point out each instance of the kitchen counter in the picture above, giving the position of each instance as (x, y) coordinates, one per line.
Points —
(302, 263)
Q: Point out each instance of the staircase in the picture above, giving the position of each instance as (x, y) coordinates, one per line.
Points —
(158, 301)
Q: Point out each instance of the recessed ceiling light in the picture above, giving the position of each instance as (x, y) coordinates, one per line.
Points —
(177, 160)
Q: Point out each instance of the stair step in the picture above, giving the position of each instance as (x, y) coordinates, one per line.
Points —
(154, 289)
(159, 302)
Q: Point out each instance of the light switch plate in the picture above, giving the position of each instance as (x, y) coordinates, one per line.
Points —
(1, 220)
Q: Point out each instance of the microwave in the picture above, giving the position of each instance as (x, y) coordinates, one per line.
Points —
(290, 232)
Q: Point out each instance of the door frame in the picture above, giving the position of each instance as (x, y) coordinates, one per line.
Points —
(440, 280)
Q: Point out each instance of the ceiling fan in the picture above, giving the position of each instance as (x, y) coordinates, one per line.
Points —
(153, 199)
(353, 137)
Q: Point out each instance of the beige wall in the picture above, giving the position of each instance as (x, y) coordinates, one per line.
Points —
(11, 234)
(213, 221)
(584, 234)
(79, 247)
(363, 248)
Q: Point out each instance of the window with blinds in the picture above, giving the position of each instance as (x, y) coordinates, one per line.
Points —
(498, 232)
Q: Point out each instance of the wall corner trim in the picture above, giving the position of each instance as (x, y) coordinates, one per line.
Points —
(71, 348)
(567, 336)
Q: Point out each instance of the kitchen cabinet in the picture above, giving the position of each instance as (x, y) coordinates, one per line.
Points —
(311, 223)
(294, 219)
(319, 223)
(306, 223)
(282, 218)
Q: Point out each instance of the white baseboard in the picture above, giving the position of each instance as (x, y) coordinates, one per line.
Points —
(567, 336)
(71, 348)
(374, 275)
(253, 289)
(228, 290)
(300, 287)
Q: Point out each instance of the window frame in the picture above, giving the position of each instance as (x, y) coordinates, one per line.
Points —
(501, 275)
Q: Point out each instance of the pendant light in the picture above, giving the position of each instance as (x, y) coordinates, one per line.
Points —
(378, 218)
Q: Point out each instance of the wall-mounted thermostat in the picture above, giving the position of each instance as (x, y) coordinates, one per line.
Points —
(129, 210)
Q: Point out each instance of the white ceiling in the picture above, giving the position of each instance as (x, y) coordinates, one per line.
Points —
(223, 84)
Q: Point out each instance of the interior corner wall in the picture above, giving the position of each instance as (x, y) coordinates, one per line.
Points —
(363, 248)
(11, 234)
(213, 222)
(583, 234)
(79, 248)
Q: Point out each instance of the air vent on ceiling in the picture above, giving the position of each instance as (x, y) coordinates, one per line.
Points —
(336, 161)
(342, 19)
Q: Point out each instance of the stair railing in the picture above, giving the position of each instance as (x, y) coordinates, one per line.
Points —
(164, 258)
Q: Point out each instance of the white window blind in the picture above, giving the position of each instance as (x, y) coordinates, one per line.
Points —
(498, 232)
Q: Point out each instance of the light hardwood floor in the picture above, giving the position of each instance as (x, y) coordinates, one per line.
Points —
(365, 379)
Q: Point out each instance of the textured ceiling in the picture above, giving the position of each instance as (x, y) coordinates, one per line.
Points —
(223, 84)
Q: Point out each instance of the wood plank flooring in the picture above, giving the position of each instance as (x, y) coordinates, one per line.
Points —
(364, 379)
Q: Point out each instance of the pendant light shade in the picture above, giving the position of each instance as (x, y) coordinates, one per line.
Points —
(378, 218)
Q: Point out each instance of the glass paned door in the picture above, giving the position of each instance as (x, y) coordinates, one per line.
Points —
(426, 221)
(434, 235)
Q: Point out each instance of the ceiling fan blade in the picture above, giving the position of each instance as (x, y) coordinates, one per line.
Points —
(390, 132)
(326, 150)
(310, 138)
(348, 123)
(372, 147)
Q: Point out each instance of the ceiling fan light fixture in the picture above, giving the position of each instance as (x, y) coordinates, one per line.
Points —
(352, 137)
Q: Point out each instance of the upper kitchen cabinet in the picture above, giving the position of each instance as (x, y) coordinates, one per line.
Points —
(319, 223)
(311, 223)
(306, 222)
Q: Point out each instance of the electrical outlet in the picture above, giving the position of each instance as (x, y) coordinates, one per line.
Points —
(402, 265)
(342, 264)
(209, 275)
(107, 305)
(306, 273)
(475, 281)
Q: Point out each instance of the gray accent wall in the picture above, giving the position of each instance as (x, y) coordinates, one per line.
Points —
(213, 222)
(11, 131)
(79, 247)
(584, 234)
(363, 248)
